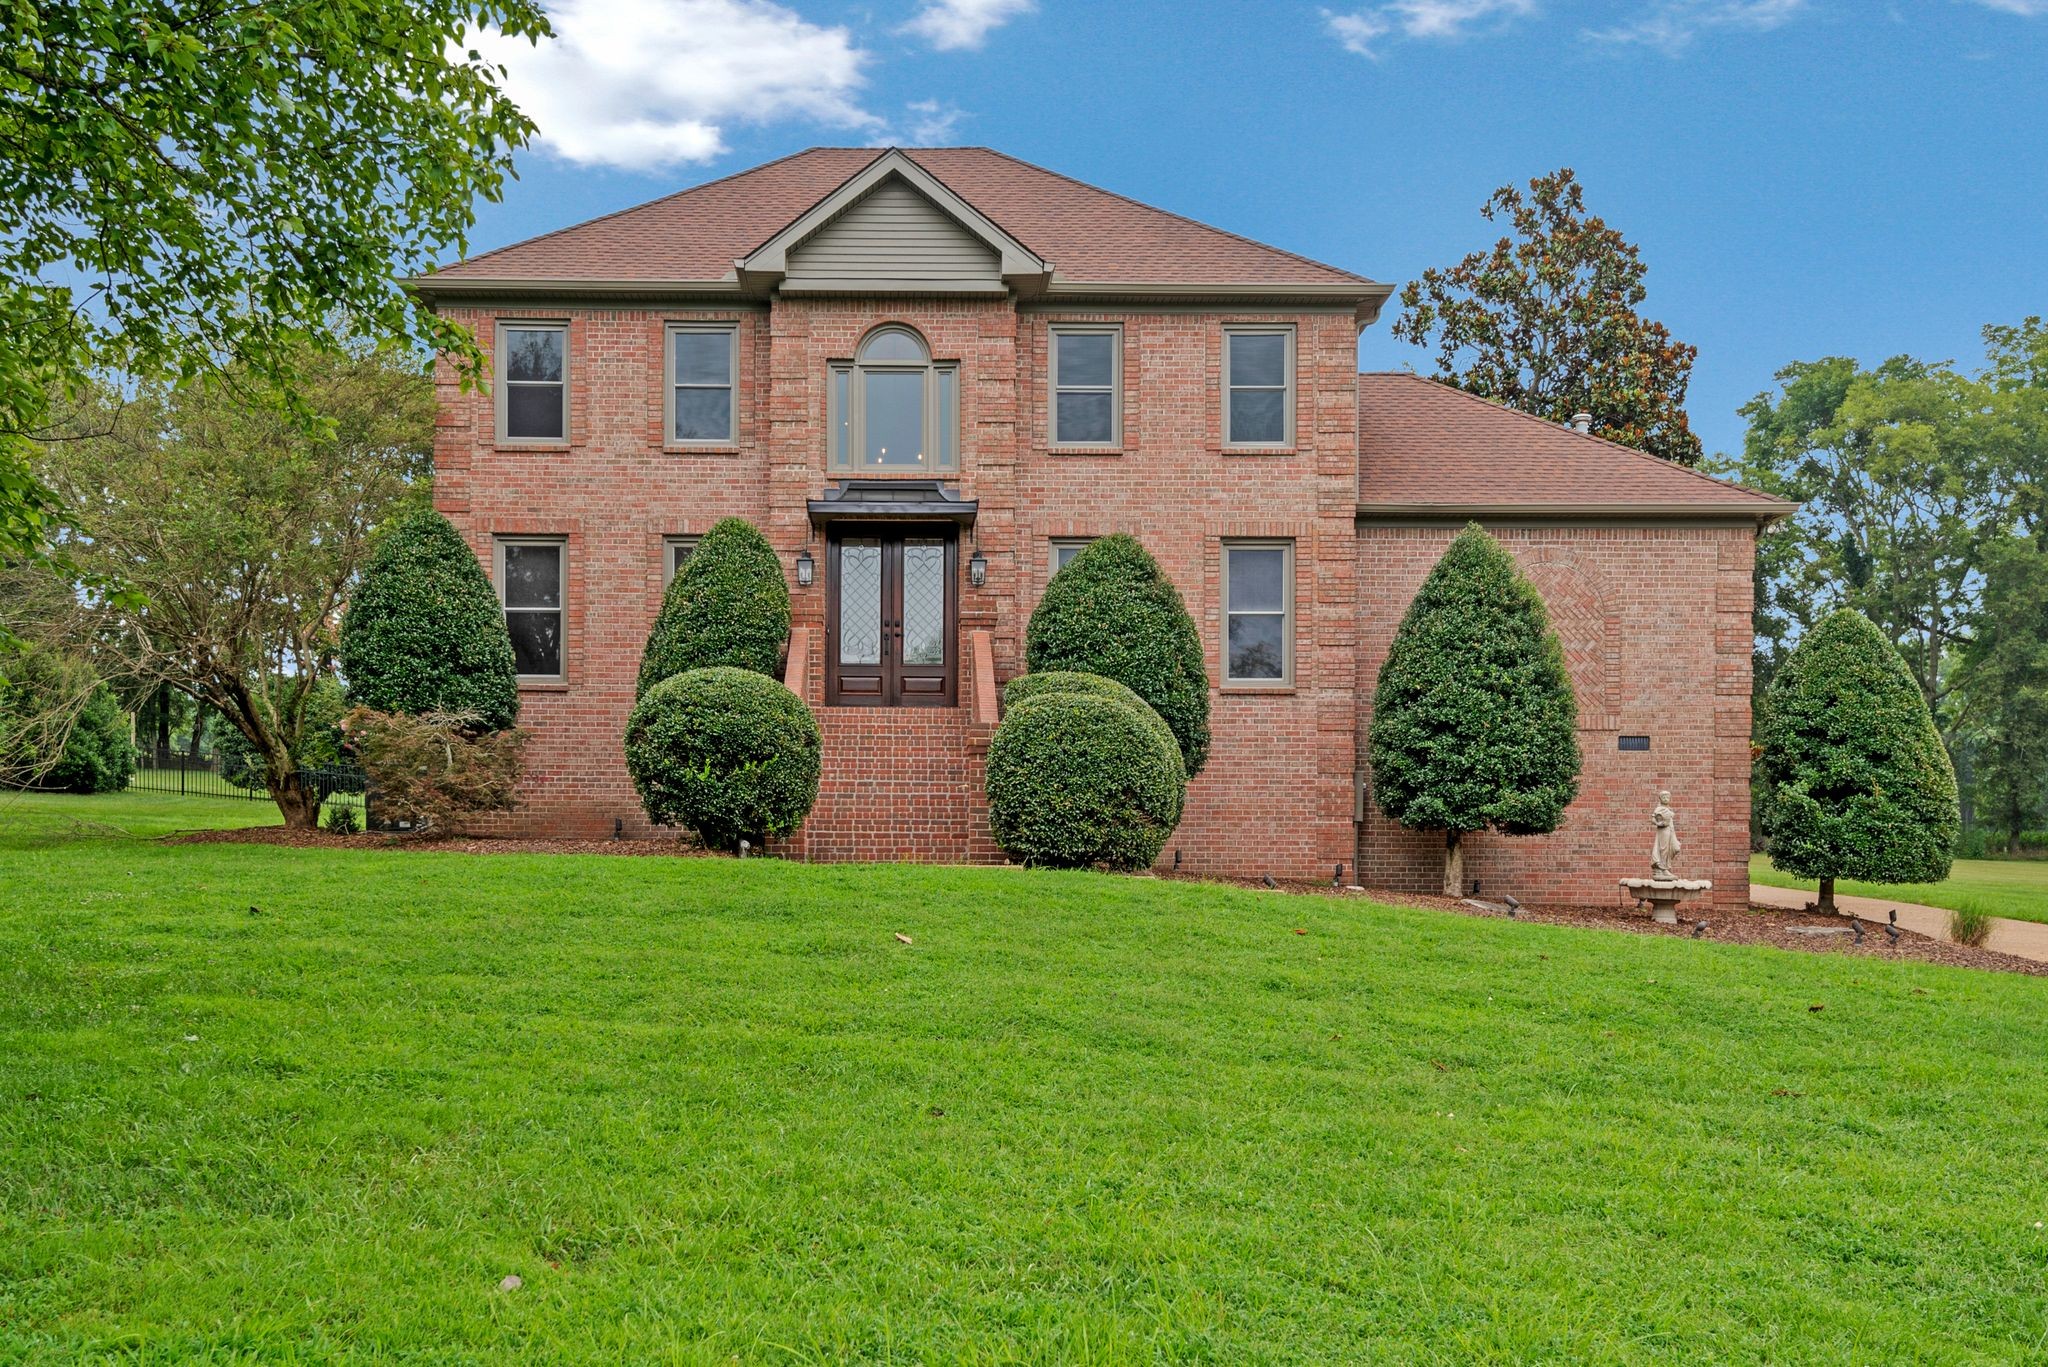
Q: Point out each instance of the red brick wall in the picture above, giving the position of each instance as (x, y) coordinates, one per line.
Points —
(1656, 631)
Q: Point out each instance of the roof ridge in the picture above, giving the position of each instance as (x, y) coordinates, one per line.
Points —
(644, 204)
(1727, 485)
(1150, 208)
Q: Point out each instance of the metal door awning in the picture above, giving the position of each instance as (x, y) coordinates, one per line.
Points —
(872, 500)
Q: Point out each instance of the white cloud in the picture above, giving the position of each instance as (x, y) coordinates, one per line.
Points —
(929, 124)
(1671, 25)
(950, 25)
(1359, 30)
(643, 84)
(2026, 9)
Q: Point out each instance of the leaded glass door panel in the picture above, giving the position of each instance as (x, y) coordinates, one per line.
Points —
(892, 617)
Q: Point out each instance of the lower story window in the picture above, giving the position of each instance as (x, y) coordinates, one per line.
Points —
(1065, 548)
(531, 575)
(1258, 610)
(679, 550)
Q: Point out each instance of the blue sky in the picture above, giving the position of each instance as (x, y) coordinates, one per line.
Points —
(1805, 177)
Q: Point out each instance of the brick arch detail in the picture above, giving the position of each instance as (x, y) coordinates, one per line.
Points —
(1582, 614)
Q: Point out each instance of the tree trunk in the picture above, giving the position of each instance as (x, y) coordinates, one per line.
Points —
(1454, 864)
(299, 804)
(1827, 896)
(162, 705)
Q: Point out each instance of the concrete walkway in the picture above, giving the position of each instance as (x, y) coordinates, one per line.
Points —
(2021, 939)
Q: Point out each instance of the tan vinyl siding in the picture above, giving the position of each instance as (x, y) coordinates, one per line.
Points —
(894, 235)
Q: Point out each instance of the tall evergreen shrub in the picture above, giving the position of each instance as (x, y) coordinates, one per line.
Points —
(727, 606)
(1112, 611)
(1474, 725)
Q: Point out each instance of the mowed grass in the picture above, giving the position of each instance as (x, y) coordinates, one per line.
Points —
(1998, 887)
(711, 1111)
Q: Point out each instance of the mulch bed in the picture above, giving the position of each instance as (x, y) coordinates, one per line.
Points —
(1773, 926)
(1757, 926)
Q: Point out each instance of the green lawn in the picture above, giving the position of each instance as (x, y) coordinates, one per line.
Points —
(712, 1111)
(2000, 887)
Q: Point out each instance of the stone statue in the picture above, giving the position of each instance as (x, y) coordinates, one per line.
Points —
(1666, 846)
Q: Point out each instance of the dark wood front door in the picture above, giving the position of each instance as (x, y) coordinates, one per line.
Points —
(892, 616)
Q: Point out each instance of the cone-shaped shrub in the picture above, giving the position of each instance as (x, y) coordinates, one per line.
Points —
(1077, 779)
(1027, 686)
(423, 631)
(727, 606)
(1473, 723)
(728, 753)
(1113, 612)
(1860, 786)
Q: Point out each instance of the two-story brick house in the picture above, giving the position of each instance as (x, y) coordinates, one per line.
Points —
(928, 376)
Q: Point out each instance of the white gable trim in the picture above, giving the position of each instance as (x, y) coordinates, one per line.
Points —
(1018, 264)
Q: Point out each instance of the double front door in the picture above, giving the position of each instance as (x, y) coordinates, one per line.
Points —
(891, 616)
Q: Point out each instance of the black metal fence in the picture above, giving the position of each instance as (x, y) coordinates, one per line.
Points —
(170, 772)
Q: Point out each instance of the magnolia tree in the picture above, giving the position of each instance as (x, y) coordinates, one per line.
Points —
(1474, 726)
(1859, 784)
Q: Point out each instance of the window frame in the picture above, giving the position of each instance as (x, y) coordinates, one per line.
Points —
(1060, 543)
(1115, 332)
(670, 385)
(1285, 545)
(501, 387)
(942, 439)
(561, 543)
(685, 542)
(1285, 331)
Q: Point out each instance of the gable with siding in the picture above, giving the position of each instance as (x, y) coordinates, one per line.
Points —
(893, 237)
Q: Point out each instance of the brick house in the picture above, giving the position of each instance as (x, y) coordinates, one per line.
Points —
(929, 376)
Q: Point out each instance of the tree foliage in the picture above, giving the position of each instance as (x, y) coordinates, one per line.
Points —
(726, 752)
(1545, 321)
(1077, 777)
(1112, 611)
(1859, 784)
(728, 605)
(424, 632)
(61, 726)
(243, 531)
(234, 189)
(1474, 724)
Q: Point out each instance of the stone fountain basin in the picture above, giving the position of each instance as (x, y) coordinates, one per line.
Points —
(1664, 894)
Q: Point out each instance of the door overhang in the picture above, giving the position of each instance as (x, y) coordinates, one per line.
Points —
(893, 500)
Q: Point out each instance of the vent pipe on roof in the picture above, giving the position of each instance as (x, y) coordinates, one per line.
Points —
(1582, 422)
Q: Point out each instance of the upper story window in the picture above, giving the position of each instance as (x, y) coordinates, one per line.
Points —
(892, 409)
(533, 382)
(702, 365)
(531, 570)
(1087, 386)
(1258, 367)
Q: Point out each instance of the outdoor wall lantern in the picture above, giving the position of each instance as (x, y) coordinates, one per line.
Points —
(977, 568)
(806, 568)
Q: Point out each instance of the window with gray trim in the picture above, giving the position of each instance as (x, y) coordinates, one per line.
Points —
(1258, 367)
(702, 361)
(1065, 548)
(676, 550)
(532, 572)
(533, 382)
(893, 409)
(1087, 384)
(1258, 612)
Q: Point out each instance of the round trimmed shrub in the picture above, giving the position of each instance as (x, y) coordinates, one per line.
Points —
(1025, 687)
(1077, 779)
(727, 606)
(726, 752)
(1112, 611)
(423, 631)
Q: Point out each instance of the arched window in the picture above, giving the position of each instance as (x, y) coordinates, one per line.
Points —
(894, 409)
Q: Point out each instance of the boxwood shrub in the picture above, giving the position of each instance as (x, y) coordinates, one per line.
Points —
(1078, 779)
(423, 631)
(727, 606)
(725, 752)
(1112, 611)
(1027, 686)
